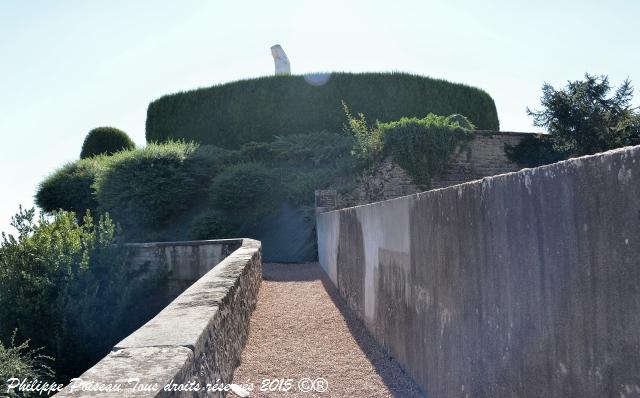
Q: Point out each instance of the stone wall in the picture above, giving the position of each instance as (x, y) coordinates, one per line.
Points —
(524, 284)
(484, 156)
(197, 339)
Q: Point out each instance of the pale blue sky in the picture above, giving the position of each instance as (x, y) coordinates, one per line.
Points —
(69, 66)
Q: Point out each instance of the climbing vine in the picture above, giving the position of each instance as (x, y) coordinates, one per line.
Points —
(422, 147)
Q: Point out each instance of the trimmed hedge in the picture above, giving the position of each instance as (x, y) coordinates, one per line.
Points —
(105, 141)
(70, 187)
(232, 114)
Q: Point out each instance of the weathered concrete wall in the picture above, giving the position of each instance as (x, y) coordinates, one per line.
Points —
(520, 285)
(197, 338)
(184, 262)
(483, 156)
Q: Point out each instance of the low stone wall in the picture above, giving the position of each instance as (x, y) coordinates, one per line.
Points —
(195, 340)
(525, 284)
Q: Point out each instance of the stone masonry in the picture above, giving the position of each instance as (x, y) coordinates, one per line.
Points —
(482, 157)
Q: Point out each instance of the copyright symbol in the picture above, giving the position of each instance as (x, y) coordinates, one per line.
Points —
(320, 384)
(305, 384)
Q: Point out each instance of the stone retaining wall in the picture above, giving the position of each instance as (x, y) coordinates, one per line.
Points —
(520, 285)
(483, 156)
(198, 338)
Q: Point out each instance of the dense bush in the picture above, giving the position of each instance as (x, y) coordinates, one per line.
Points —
(22, 362)
(535, 150)
(250, 188)
(318, 149)
(302, 162)
(582, 119)
(148, 187)
(65, 287)
(231, 114)
(105, 141)
(70, 187)
(213, 225)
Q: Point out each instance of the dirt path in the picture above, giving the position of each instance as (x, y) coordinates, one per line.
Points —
(301, 329)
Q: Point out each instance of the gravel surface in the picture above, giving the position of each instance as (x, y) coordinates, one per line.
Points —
(302, 329)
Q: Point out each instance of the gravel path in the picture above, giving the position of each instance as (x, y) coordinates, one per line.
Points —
(302, 329)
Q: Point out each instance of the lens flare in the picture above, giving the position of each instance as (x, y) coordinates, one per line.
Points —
(317, 79)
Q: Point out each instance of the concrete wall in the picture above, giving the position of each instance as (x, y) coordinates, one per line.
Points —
(197, 338)
(519, 285)
(483, 156)
(184, 262)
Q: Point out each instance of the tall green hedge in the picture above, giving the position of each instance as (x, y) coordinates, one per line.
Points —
(258, 109)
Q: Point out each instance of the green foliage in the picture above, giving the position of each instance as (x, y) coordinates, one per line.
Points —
(70, 187)
(66, 287)
(213, 225)
(285, 105)
(368, 142)
(319, 149)
(21, 362)
(423, 147)
(250, 188)
(461, 121)
(300, 185)
(148, 187)
(583, 118)
(105, 141)
(302, 162)
(534, 150)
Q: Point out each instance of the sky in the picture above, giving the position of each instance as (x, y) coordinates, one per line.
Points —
(69, 66)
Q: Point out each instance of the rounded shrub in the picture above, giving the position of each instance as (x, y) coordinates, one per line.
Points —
(105, 141)
(250, 188)
(150, 187)
(70, 188)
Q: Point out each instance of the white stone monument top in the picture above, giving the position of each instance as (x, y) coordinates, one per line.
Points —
(280, 59)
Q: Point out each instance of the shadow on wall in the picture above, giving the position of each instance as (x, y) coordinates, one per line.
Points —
(289, 236)
(524, 284)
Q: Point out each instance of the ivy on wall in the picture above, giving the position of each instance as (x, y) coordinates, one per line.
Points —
(421, 146)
